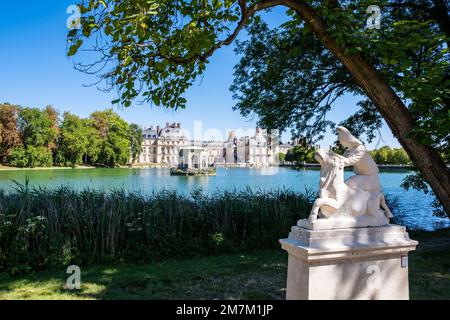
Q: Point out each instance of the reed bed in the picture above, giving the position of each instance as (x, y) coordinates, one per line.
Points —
(42, 228)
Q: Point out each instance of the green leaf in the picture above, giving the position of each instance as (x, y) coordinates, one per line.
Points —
(74, 48)
(156, 100)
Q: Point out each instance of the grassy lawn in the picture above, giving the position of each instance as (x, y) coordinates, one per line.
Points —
(429, 266)
(257, 275)
(260, 275)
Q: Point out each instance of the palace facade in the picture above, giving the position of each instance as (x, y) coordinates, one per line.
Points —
(161, 146)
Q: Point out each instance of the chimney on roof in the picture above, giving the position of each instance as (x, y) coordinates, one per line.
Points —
(157, 130)
(167, 124)
(178, 125)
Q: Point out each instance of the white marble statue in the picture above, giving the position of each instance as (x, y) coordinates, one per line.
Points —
(358, 201)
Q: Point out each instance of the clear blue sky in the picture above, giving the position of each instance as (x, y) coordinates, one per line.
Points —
(35, 71)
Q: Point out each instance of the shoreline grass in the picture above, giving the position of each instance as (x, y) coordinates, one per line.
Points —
(44, 228)
(7, 168)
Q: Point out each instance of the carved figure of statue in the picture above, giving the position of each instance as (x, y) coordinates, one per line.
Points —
(360, 197)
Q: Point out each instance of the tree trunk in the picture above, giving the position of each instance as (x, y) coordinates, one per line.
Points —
(390, 106)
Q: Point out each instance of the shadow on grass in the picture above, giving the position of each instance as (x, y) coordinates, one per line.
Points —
(258, 275)
(429, 266)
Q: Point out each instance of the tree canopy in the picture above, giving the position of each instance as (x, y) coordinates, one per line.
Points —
(113, 137)
(136, 139)
(155, 50)
(290, 80)
(387, 155)
(74, 140)
(302, 152)
(33, 137)
(9, 135)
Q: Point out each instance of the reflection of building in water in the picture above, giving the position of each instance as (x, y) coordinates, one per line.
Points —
(162, 145)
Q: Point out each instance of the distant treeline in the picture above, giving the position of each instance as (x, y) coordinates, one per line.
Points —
(388, 155)
(33, 137)
(302, 152)
(384, 155)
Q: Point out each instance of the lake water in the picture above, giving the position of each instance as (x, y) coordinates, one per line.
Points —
(414, 206)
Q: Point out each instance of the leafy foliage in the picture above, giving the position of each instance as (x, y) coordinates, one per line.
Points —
(387, 155)
(411, 52)
(74, 140)
(155, 50)
(18, 157)
(416, 181)
(288, 79)
(38, 131)
(30, 157)
(136, 139)
(9, 135)
(112, 138)
(39, 157)
(53, 115)
(31, 137)
(36, 128)
(302, 152)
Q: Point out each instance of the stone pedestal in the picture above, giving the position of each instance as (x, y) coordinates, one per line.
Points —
(352, 263)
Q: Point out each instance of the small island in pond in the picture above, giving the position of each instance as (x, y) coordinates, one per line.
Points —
(193, 161)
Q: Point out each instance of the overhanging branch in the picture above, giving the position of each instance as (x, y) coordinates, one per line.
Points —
(246, 14)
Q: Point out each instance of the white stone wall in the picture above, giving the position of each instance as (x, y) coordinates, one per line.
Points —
(161, 146)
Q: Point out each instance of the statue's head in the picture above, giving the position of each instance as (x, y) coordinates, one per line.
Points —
(320, 155)
(331, 167)
(347, 139)
(328, 158)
